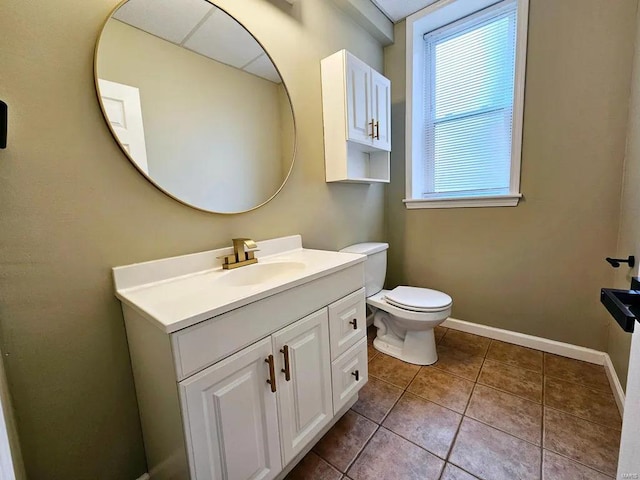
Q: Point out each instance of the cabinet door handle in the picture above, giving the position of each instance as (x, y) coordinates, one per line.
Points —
(287, 366)
(356, 374)
(372, 124)
(272, 373)
(377, 130)
(354, 322)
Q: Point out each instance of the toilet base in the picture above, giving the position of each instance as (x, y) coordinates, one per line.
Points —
(418, 347)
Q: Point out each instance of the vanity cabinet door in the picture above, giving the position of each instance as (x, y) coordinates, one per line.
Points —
(231, 418)
(304, 381)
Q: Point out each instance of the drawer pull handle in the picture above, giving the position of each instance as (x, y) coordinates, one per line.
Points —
(354, 322)
(272, 373)
(287, 366)
(356, 374)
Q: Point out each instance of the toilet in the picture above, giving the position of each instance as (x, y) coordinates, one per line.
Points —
(405, 316)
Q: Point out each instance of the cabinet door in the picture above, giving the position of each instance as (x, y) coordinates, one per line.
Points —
(381, 106)
(305, 399)
(359, 115)
(231, 418)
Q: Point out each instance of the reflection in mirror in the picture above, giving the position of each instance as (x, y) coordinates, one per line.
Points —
(196, 103)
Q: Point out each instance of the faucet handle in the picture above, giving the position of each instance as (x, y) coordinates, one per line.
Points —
(227, 259)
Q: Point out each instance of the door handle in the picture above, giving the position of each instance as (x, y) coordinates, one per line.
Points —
(354, 322)
(272, 373)
(372, 124)
(356, 374)
(377, 130)
(615, 262)
(287, 366)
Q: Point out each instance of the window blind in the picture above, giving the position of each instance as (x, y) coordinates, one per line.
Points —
(469, 90)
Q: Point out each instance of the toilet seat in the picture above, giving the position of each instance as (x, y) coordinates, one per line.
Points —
(417, 299)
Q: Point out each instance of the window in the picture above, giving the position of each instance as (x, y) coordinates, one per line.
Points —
(465, 65)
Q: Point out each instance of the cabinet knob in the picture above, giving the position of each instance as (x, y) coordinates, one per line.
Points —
(356, 374)
(354, 322)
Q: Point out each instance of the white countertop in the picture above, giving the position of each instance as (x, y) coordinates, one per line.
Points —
(181, 291)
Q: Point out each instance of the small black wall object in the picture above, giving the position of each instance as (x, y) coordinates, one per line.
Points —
(3, 124)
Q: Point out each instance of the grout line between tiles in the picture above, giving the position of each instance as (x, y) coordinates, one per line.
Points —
(579, 463)
(514, 366)
(504, 431)
(361, 450)
(455, 439)
(465, 471)
(466, 415)
(576, 461)
(511, 393)
(544, 447)
(435, 365)
(434, 402)
(357, 454)
(384, 417)
(418, 445)
(583, 419)
(590, 387)
(466, 407)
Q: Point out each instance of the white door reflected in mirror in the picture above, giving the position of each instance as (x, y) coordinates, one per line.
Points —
(216, 129)
(122, 106)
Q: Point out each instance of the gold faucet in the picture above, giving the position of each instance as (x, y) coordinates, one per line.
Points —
(243, 254)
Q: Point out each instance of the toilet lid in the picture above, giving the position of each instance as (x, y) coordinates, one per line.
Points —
(418, 299)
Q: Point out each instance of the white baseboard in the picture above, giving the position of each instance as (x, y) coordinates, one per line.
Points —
(145, 477)
(614, 381)
(549, 346)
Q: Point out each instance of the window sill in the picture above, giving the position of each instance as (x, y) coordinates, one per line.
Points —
(510, 200)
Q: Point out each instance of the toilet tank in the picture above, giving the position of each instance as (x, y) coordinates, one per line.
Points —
(375, 267)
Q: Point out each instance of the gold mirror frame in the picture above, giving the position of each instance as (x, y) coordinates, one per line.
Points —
(145, 174)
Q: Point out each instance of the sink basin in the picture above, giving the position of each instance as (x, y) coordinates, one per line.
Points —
(177, 292)
(261, 272)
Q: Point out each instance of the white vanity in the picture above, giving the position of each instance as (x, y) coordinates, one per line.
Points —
(239, 372)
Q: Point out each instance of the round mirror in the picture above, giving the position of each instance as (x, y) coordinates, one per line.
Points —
(195, 103)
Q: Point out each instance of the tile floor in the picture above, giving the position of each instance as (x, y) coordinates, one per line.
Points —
(486, 410)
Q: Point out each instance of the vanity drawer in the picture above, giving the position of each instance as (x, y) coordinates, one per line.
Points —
(347, 322)
(349, 374)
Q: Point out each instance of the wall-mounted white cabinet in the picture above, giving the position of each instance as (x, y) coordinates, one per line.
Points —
(356, 102)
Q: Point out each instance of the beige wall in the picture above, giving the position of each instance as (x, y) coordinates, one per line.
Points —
(536, 268)
(72, 207)
(619, 343)
(199, 116)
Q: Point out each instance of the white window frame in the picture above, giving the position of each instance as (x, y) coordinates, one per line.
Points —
(433, 17)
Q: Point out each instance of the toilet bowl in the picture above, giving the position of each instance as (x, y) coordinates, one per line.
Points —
(405, 316)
